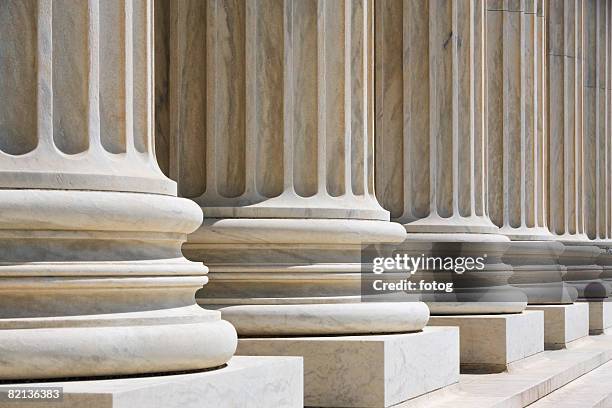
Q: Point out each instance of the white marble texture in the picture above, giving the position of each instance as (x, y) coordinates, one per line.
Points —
(563, 323)
(600, 316)
(528, 380)
(489, 343)
(431, 140)
(368, 371)
(577, 145)
(269, 130)
(71, 123)
(321, 319)
(518, 148)
(250, 382)
(92, 279)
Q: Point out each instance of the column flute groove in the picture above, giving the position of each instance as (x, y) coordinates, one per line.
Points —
(92, 279)
(516, 150)
(282, 252)
(430, 100)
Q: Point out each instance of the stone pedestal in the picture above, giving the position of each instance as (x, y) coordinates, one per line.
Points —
(563, 323)
(245, 382)
(368, 371)
(490, 342)
(600, 315)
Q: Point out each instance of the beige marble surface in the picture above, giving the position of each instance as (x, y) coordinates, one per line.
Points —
(516, 155)
(489, 343)
(431, 141)
(84, 130)
(368, 371)
(430, 129)
(254, 382)
(269, 108)
(92, 279)
(563, 323)
(270, 131)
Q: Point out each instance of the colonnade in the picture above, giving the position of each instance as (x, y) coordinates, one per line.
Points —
(302, 130)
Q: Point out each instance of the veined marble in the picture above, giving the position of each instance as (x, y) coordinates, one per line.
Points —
(270, 130)
(431, 143)
(92, 279)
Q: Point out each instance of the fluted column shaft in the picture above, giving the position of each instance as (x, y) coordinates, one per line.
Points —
(597, 134)
(431, 142)
(430, 100)
(567, 28)
(269, 129)
(515, 120)
(92, 280)
(517, 147)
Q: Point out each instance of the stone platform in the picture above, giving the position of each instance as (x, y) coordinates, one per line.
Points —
(245, 382)
(563, 323)
(368, 370)
(600, 316)
(490, 342)
(573, 377)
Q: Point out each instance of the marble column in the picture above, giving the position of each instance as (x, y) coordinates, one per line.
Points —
(431, 143)
(567, 32)
(92, 280)
(269, 130)
(597, 134)
(517, 148)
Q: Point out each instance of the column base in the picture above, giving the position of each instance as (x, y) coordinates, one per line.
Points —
(94, 284)
(245, 381)
(600, 315)
(368, 371)
(490, 342)
(563, 323)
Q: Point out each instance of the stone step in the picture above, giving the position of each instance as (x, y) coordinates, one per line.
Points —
(526, 381)
(593, 389)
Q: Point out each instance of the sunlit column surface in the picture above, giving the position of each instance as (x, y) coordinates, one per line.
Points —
(92, 280)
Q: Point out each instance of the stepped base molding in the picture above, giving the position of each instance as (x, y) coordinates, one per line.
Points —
(94, 284)
(490, 342)
(536, 271)
(368, 371)
(583, 272)
(563, 323)
(245, 381)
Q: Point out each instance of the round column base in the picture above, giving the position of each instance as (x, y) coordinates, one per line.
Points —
(327, 319)
(93, 283)
(114, 345)
(537, 272)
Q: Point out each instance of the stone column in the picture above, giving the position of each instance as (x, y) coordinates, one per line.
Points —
(92, 280)
(269, 129)
(596, 165)
(431, 144)
(566, 150)
(270, 132)
(517, 148)
(605, 157)
(597, 130)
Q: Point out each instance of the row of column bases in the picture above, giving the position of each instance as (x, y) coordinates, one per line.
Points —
(302, 130)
